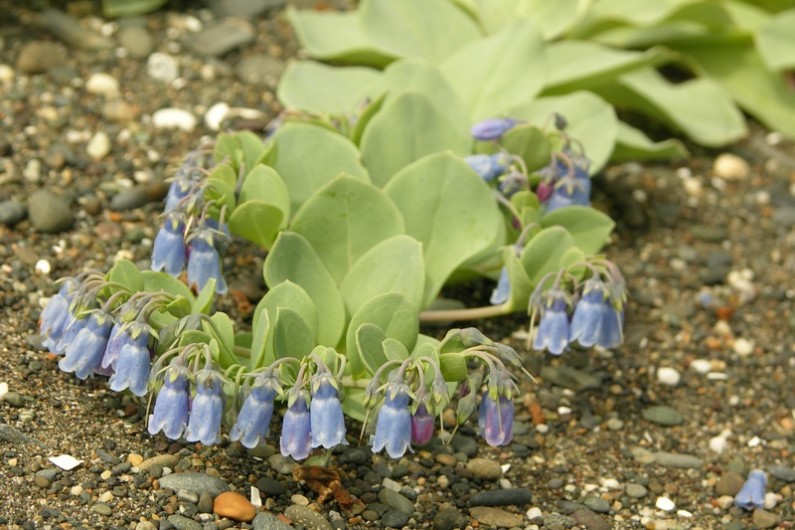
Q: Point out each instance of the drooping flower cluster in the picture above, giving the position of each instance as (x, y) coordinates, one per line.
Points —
(593, 315)
(565, 181)
(189, 237)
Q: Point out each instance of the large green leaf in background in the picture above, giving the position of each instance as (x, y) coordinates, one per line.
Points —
(323, 89)
(591, 121)
(344, 219)
(448, 208)
(407, 128)
(632, 144)
(543, 252)
(589, 228)
(553, 17)
(293, 258)
(285, 295)
(499, 72)
(775, 41)
(432, 29)
(308, 156)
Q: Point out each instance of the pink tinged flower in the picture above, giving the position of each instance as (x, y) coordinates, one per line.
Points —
(495, 420)
(422, 424)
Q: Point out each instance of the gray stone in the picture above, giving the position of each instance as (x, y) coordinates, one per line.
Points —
(14, 399)
(353, 455)
(102, 508)
(271, 486)
(662, 415)
(596, 504)
(282, 464)
(448, 519)
(137, 40)
(570, 378)
(678, 460)
(260, 69)
(14, 436)
(49, 213)
(636, 491)
(487, 516)
(502, 497)
(37, 57)
(464, 444)
(713, 234)
(145, 525)
(784, 216)
(590, 520)
(188, 496)
(205, 504)
(787, 474)
(195, 482)
(12, 212)
(180, 522)
(128, 200)
(266, 521)
(395, 500)
(221, 38)
(557, 521)
(71, 31)
(764, 519)
(307, 517)
(395, 519)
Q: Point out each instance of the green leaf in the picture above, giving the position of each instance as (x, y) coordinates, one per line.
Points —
(227, 148)
(130, 8)
(369, 348)
(632, 144)
(204, 301)
(286, 295)
(394, 265)
(224, 331)
(331, 154)
(259, 341)
(543, 252)
(395, 350)
(344, 88)
(699, 107)
(365, 117)
(589, 227)
(126, 273)
(526, 141)
(338, 36)
(590, 120)
(180, 307)
(344, 219)
(521, 285)
(453, 366)
(432, 29)
(254, 149)
(553, 18)
(577, 65)
(353, 404)
(292, 337)
(262, 183)
(407, 128)
(257, 221)
(293, 258)
(219, 190)
(390, 313)
(494, 74)
(448, 208)
(160, 281)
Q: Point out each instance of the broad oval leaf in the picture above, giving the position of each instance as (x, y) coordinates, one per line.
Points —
(287, 295)
(160, 281)
(499, 72)
(307, 157)
(293, 258)
(589, 227)
(264, 184)
(553, 18)
(344, 88)
(344, 219)
(126, 273)
(407, 128)
(449, 209)
(633, 144)
(257, 221)
(395, 265)
(543, 252)
(291, 335)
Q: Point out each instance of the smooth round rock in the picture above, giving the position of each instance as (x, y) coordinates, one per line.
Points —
(636, 491)
(102, 84)
(764, 519)
(137, 40)
(232, 505)
(731, 167)
(196, 482)
(395, 500)
(668, 376)
(729, 484)
(38, 57)
(395, 519)
(12, 212)
(98, 146)
(307, 517)
(49, 213)
(485, 468)
(662, 415)
(665, 504)
(163, 67)
(597, 504)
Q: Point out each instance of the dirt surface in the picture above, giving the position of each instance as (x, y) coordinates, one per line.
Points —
(708, 258)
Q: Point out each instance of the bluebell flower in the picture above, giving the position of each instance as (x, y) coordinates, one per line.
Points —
(72, 328)
(492, 128)
(393, 426)
(495, 420)
(512, 183)
(296, 438)
(595, 320)
(752, 494)
(204, 263)
(253, 421)
(572, 185)
(422, 425)
(111, 355)
(325, 411)
(502, 292)
(170, 414)
(488, 167)
(553, 328)
(183, 184)
(85, 354)
(168, 252)
(133, 364)
(56, 316)
(207, 408)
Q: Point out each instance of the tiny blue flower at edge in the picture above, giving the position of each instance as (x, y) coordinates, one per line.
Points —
(206, 411)
(492, 128)
(752, 494)
(553, 329)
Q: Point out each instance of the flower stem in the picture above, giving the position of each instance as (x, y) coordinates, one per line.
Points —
(469, 313)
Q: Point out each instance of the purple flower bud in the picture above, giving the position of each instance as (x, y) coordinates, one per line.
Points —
(296, 439)
(752, 494)
(168, 252)
(422, 424)
(595, 320)
(393, 427)
(207, 408)
(501, 294)
(253, 421)
(492, 128)
(84, 354)
(495, 420)
(203, 264)
(170, 414)
(553, 329)
(133, 364)
(544, 191)
(325, 410)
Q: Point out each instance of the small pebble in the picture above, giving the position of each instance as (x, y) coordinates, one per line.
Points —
(597, 504)
(396, 501)
(235, 506)
(668, 376)
(663, 415)
(678, 460)
(102, 84)
(787, 474)
(102, 508)
(137, 40)
(162, 67)
(99, 146)
(590, 520)
(665, 504)
(501, 497)
(205, 504)
(485, 468)
(12, 212)
(307, 517)
(729, 484)
(395, 519)
(764, 519)
(196, 482)
(174, 118)
(496, 517)
(267, 521)
(299, 500)
(215, 115)
(731, 167)
(701, 366)
(743, 347)
(37, 57)
(636, 491)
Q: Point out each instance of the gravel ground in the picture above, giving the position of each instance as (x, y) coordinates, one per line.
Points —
(659, 434)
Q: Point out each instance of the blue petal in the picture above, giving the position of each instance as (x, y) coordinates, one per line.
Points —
(393, 427)
(253, 421)
(328, 422)
(170, 414)
(203, 264)
(132, 367)
(752, 494)
(296, 438)
(85, 354)
(204, 423)
(168, 252)
(553, 330)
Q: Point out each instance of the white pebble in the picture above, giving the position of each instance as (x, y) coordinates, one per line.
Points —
(564, 411)
(668, 376)
(731, 167)
(665, 504)
(32, 171)
(256, 499)
(76, 490)
(390, 484)
(718, 443)
(216, 115)
(106, 497)
(66, 462)
(771, 500)
(43, 267)
(725, 502)
(611, 484)
(98, 146)
(755, 442)
(3, 390)
(683, 513)
(534, 513)
(504, 483)
(103, 84)
(299, 499)
(692, 186)
(701, 366)
(174, 118)
(542, 428)
(163, 67)
(6, 74)
(743, 347)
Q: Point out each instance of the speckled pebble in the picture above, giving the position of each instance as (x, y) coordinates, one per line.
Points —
(495, 517)
(267, 521)
(49, 213)
(590, 520)
(12, 212)
(395, 519)
(662, 415)
(395, 500)
(307, 517)
(596, 504)
(181, 522)
(678, 460)
(196, 482)
(485, 468)
(729, 484)
(636, 491)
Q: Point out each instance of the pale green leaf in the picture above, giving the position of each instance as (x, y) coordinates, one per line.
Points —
(257, 221)
(160, 281)
(589, 227)
(543, 252)
(292, 336)
(262, 183)
(775, 41)
(633, 144)
(344, 88)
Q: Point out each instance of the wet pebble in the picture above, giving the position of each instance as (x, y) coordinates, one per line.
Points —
(180, 522)
(636, 491)
(729, 484)
(497, 517)
(221, 38)
(307, 517)
(233, 505)
(395, 519)
(266, 521)
(395, 500)
(764, 519)
(196, 482)
(260, 69)
(678, 460)
(485, 468)
(136, 39)
(12, 212)
(502, 497)
(448, 518)
(49, 213)
(590, 520)
(596, 504)
(37, 57)
(663, 415)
